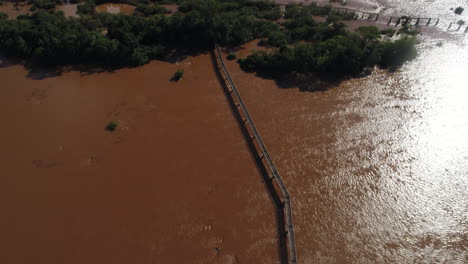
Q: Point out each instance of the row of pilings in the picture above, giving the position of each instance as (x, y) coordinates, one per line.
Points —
(358, 15)
(271, 177)
(397, 21)
(453, 27)
(415, 21)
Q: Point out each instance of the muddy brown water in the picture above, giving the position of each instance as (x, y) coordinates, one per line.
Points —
(13, 10)
(175, 183)
(116, 8)
(377, 167)
(69, 10)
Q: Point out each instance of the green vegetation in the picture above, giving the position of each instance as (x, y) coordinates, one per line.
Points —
(120, 40)
(231, 56)
(408, 30)
(111, 126)
(459, 10)
(340, 55)
(389, 32)
(45, 4)
(150, 10)
(178, 75)
(86, 9)
(298, 44)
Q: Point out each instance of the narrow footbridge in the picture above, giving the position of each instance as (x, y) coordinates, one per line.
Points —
(271, 176)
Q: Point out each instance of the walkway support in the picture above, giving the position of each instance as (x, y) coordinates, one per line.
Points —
(359, 15)
(283, 201)
(416, 21)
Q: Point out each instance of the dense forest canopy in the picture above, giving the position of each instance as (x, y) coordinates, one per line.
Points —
(299, 43)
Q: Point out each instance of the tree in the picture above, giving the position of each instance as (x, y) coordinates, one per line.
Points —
(395, 53)
(369, 33)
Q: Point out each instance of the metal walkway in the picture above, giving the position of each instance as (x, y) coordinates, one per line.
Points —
(283, 204)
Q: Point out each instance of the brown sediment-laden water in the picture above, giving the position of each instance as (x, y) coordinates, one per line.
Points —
(116, 8)
(377, 167)
(69, 10)
(174, 183)
(14, 9)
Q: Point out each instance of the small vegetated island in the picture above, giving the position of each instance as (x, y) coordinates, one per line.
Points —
(297, 41)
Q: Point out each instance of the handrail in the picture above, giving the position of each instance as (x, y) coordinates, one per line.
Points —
(266, 155)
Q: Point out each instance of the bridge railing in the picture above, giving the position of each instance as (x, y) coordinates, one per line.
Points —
(359, 15)
(415, 21)
(453, 27)
(286, 203)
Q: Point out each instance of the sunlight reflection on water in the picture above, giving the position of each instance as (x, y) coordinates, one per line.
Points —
(393, 182)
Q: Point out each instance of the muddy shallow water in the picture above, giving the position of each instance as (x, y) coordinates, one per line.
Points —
(174, 183)
(69, 10)
(377, 167)
(115, 8)
(12, 10)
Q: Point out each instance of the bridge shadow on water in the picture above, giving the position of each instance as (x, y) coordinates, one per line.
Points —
(262, 168)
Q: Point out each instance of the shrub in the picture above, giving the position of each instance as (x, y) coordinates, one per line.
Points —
(231, 56)
(409, 30)
(263, 42)
(388, 32)
(45, 4)
(395, 53)
(85, 9)
(278, 39)
(111, 126)
(151, 10)
(459, 10)
(178, 75)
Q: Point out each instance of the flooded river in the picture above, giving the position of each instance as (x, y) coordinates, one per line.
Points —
(14, 9)
(377, 167)
(175, 183)
(116, 8)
